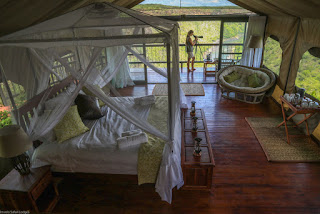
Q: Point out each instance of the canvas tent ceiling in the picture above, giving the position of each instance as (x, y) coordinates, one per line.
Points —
(297, 8)
(17, 15)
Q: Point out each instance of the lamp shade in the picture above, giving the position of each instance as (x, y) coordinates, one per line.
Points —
(255, 42)
(13, 141)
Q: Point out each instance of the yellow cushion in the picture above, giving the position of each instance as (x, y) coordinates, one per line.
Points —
(88, 92)
(276, 95)
(70, 126)
(316, 132)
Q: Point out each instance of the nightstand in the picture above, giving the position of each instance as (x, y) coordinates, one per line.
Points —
(21, 192)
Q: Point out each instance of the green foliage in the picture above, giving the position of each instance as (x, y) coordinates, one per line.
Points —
(309, 74)
(166, 10)
(272, 55)
(234, 32)
(161, 6)
(18, 92)
(210, 30)
(5, 119)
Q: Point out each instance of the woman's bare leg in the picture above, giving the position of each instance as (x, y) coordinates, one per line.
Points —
(188, 64)
(192, 63)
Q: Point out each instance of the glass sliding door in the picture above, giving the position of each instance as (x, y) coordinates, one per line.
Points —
(233, 37)
(138, 71)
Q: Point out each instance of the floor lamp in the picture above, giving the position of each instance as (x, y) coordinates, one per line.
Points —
(255, 42)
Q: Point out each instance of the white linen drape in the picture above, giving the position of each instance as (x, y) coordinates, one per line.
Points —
(256, 26)
(18, 60)
(122, 78)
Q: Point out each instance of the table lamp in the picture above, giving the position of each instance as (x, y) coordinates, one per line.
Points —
(14, 142)
(255, 42)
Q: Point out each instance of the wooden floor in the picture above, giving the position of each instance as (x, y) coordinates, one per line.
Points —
(243, 180)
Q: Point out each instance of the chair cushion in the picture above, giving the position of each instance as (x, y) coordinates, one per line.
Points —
(267, 79)
(254, 81)
(232, 77)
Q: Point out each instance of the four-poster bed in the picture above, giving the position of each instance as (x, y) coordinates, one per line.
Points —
(86, 32)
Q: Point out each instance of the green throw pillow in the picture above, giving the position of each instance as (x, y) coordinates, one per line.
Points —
(232, 77)
(70, 126)
(254, 81)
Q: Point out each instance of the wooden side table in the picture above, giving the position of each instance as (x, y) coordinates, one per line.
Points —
(197, 171)
(21, 192)
(207, 69)
(308, 112)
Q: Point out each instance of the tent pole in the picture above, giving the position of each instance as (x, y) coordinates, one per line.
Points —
(292, 54)
(15, 110)
(169, 90)
(264, 37)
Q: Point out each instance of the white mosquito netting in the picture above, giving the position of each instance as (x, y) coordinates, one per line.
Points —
(28, 57)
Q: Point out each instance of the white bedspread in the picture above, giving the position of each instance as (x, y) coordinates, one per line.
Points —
(96, 150)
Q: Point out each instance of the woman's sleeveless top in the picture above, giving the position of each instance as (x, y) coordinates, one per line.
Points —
(189, 46)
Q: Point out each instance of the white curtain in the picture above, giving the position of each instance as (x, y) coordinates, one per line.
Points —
(122, 78)
(18, 60)
(256, 26)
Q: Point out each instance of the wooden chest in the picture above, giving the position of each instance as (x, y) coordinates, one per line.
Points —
(197, 171)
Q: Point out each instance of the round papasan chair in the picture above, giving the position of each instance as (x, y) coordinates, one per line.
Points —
(239, 88)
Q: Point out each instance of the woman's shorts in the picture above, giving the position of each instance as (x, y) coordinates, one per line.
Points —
(190, 55)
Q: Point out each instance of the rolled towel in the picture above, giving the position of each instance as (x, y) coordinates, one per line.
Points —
(146, 100)
(131, 132)
(132, 140)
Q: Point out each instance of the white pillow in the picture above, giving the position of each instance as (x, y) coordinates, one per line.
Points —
(56, 101)
(50, 136)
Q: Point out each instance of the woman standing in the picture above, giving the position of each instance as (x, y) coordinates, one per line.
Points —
(189, 49)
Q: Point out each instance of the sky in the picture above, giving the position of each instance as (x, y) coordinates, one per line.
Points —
(190, 3)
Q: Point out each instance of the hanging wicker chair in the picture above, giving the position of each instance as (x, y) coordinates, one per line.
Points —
(239, 89)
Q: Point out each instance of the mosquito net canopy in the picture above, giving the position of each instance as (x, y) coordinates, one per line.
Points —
(29, 58)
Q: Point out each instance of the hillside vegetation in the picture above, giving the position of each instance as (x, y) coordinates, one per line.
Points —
(308, 76)
(210, 30)
(165, 10)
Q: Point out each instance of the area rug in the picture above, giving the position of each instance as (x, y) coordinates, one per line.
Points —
(189, 89)
(274, 144)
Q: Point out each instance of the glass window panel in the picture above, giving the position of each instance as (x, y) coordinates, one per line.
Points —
(233, 32)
